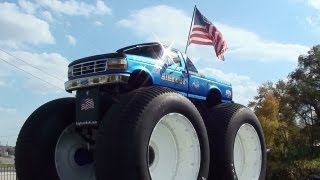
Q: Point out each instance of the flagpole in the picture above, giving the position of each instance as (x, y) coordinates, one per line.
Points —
(194, 9)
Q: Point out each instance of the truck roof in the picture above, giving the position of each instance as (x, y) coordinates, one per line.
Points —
(139, 45)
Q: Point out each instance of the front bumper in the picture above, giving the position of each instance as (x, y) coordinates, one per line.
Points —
(96, 80)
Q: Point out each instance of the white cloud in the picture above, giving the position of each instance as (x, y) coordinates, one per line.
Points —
(167, 23)
(18, 28)
(27, 6)
(2, 84)
(47, 16)
(244, 93)
(53, 64)
(10, 44)
(98, 23)
(7, 110)
(72, 40)
(102, 8)
(249, 45)
(230, 77)
(158, 21)
(314, 3)
(244, 89)
(73, 7)
(313, 20)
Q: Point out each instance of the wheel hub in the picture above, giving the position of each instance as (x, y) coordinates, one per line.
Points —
(151, 156)
(83, 156)
(73, 156)
(174, 149)
(247, 153)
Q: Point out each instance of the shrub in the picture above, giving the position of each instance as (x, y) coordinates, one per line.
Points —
(297, 170)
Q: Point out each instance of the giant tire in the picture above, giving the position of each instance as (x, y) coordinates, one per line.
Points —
(234, 130)
(133, 135)
(48, 143)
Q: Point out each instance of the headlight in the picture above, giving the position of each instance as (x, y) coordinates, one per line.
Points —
(117, 63)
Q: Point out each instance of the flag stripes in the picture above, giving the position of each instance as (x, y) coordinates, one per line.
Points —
(87, 104)
(205, 33)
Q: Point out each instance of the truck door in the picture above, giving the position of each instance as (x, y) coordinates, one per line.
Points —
(174, 74)
(198, 86)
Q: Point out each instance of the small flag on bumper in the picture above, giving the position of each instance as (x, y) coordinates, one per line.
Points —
(87, 103)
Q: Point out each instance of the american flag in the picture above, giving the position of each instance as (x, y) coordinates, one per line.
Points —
(87, 104)
(205, 33)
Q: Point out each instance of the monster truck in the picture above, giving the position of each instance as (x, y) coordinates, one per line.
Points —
(141, 113)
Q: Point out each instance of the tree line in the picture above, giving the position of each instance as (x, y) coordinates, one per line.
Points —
(289, 112)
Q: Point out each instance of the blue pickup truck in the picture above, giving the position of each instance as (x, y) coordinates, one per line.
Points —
(141, 113)
(148, 64)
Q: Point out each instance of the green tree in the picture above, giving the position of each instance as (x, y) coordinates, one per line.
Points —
(304, 86)
(276, 116)
(268, 116)
(289, 112)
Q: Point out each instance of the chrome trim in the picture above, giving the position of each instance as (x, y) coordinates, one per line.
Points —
(102, 59)
(96, 80)
(92, 67)
(89, 67)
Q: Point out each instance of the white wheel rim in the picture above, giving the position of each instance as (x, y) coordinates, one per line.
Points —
(176, 149)
(247, 153)
(67, 167)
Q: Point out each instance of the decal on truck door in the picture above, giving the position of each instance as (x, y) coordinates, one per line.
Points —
(174, 79)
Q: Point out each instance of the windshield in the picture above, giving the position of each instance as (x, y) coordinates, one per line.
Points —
(147, 50)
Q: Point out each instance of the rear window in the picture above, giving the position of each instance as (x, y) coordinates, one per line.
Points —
(190, 66)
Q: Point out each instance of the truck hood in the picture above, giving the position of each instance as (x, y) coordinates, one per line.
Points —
(97, 57)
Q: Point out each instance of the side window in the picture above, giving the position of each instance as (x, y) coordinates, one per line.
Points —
(190, 66)
(176, 59)
(172, 58)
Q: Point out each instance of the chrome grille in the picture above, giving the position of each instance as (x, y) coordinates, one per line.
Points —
(89, 67)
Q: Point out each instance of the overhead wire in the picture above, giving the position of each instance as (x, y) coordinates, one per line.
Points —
(93, 45)
(53, 76)
(47, 82)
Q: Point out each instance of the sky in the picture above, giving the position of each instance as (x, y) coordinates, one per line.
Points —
(264, 38)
